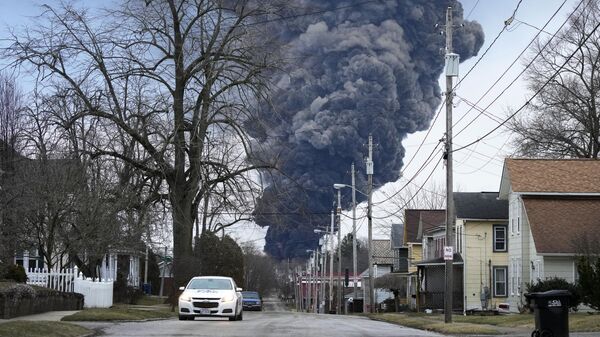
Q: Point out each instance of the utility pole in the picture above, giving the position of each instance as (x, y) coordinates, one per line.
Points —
(339, 254)
(309, 290)
(146, 268)
(331, 265)
(301, 290)
(354, 263)
(316, 287)
(296, 293)
(323, 269)
(370, 225)
(451, 71)
(164, 273)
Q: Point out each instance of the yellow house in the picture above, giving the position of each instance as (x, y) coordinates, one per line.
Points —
(482, 241)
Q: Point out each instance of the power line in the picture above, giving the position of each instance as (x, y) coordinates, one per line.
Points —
(472, 9)
(322, 11)
(536, 93)
(423, 166)
(416, 193)
(460, 81)
(506, 24)
(506, 71)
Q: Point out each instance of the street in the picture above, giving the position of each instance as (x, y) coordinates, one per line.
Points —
(273, 321)
(275, 324)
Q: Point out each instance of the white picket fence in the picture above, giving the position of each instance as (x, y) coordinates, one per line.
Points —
(61, 280)
(96, 293)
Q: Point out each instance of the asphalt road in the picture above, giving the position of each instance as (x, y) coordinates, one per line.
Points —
(264, 324)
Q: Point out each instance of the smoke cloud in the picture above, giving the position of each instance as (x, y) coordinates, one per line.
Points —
(371, 68)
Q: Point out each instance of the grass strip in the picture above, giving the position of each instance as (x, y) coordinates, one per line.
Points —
(41, 328)
(151, 300)
(583, 322)
(431, 323)
(117, 314)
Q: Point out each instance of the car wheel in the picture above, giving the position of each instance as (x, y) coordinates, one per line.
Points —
(240, 317)
(183, 318)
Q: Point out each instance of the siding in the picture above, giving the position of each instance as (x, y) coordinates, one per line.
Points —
(414, 256)
(479, 259)
(519, 245)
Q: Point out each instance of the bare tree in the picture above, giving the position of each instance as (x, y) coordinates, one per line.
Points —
(11, 111)
(198, 64)
(412, 196)
(564, 120)
(259, 270)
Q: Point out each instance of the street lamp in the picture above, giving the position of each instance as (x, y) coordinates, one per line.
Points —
(310, 280)
(354, 249)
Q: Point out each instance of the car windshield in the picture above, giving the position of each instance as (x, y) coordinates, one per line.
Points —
(250, 294)
(210, 283)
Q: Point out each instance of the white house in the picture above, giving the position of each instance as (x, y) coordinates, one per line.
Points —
(553, 206)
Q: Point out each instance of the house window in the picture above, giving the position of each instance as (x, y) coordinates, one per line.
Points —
(500, 281)
(499, 238)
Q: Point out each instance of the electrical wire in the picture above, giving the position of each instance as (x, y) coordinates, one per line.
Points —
(472, 9)
(506, 24)
(317, 12)
(459, 82)
(535, 94)
(409, 200)
(506, 72)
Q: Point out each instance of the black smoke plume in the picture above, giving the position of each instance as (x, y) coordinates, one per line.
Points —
(371, 68)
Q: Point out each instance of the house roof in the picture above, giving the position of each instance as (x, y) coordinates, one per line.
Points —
(557, 224)
(480, 205)
(413, 218)
(382, 252)
(436, 230)
(550, 176)
(397, 235)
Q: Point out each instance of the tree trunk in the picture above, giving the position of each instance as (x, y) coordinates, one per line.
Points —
(182, 237)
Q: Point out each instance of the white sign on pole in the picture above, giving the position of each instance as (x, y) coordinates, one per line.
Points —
(448, 253)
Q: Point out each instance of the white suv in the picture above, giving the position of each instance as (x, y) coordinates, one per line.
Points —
(210, 296)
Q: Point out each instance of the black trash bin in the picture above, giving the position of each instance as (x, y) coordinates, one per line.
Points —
(551, 309)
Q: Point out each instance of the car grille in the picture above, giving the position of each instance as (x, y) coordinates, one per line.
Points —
(206, 305)
(206, 298)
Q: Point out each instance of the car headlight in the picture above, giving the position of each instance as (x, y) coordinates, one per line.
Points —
(185, 298)
(227, 298)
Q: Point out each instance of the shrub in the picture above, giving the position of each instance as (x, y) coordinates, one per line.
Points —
(122, 293)
(589, 279)
(556, 283)
(16, 273)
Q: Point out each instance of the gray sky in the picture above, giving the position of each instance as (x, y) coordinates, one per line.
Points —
(477, 168)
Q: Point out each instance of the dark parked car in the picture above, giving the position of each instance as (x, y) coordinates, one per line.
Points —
(251, 300)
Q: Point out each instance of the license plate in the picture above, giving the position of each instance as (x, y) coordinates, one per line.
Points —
(205, 311)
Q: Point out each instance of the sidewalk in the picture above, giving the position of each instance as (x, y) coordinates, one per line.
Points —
(46, 316)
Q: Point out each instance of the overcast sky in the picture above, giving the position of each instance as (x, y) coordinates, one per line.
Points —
(477, 168)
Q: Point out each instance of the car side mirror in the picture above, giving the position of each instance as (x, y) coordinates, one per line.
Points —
(238, 289)
(182, 288)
